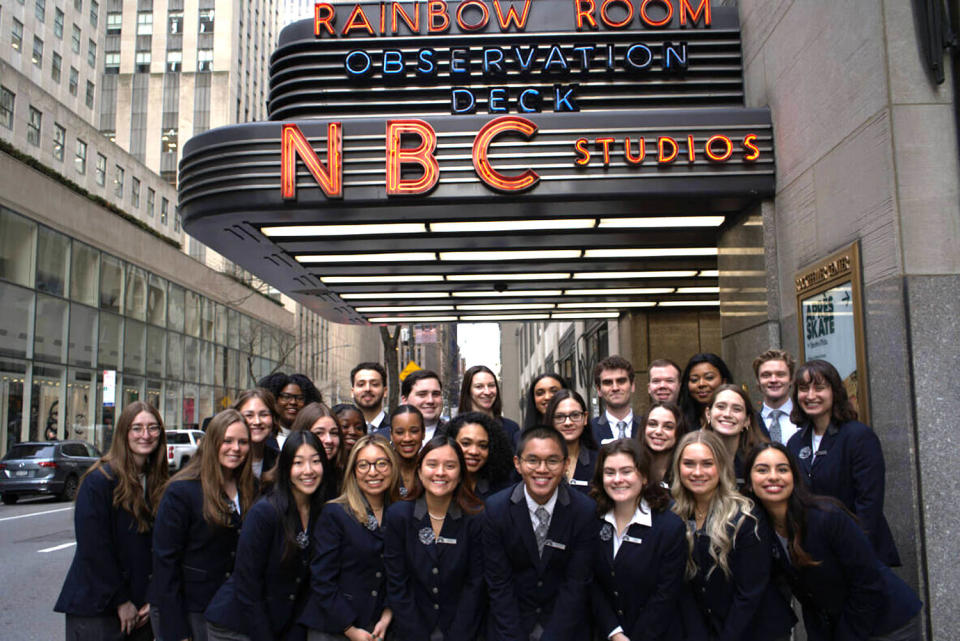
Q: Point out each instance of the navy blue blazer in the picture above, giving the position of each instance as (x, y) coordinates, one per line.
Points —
(191, 558)
(583, 473)
(527, 589)
(849, 466)
(746, 606)
(851, 594)
(639, 589)
(347, 577)
(433, 581)
(485, 489)
(113, 561)
(603, 431)
(512, 429)
(263, 597)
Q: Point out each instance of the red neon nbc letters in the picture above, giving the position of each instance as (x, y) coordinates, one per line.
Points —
(294, 144)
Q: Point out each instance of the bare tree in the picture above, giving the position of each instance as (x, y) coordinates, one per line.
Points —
(391, 362)
(281, 348)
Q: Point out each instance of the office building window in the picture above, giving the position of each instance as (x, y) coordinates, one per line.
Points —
(75, 39)
(58, 23)
(114, 22)
(33, 126)
(7, 99)
(118, 182)
(37, 51)
(56, 67)
(92, 54)
(94, 13)
(111, 63)
(205, 60)
(176, 221)
(145, 23)
(89, 97)
(101, 174)
(59, 140)
(40, 10)
(80, 160)
(135, 192)
(164, 204)
(74, 81)
(206, 20)
(174, 60)
(78, 5)
(168, 141)
(175, 22)
(143, 61)
(16, 35)
(151, 201)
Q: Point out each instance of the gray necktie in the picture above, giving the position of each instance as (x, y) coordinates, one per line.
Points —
(775, 433)
(622, 428)
(543, 524)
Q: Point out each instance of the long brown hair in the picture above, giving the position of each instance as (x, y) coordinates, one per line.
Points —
(750, 437)
(205, 467)
(267, 398)
(351, 497)
(819, 371)
(129, 493)
(656, 497)
(462, 496)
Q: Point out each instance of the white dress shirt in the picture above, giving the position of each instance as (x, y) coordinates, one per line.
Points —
(787, 428)
(641, 516)
(533, 506)
(613, 420)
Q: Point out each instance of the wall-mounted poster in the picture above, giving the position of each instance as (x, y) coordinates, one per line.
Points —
(831, 328)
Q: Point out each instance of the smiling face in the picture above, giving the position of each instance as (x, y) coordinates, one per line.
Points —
(235, 447)
(306, 472)
(368, 389)
(376, 479)
(406, 432)
(569, 419)
(483, 392)
(699, 473)
(622, 481)
(427, 396)
(543, 391)
(351, 428)
(616, 388)
(771, 478)
(660, 432)
(144, 435)
(728, 414)
(290, 401)
(440, 471)
(664, 384)
(259, 419)
(702, 380)
(541, 467)
(815, 398)
(475, 443)
(774, 380)
(327, 431)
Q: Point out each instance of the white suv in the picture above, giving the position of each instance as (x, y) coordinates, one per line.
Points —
(181, 447)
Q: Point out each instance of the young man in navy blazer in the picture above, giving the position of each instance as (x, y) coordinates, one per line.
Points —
(368, 384)
(774, 372)
(614, 378)
(537, 540)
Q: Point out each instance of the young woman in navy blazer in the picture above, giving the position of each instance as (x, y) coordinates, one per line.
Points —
(318, 418)
(730, 416)
(259, 410)
(661, 428)
(728, 596)
(486, 450)
(433, 553)
(406, 435)
(480, 392)
(105, 593)
(198, 524)
(581, 444)
(264, 596)
(838, 455)
(541, 391)
(704, 373)
(347, 577)
(828, 562)
(641, 550)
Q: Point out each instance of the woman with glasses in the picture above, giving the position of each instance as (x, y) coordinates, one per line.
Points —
(348, 586)
(105, 593)
(487, 453)
(433, 552)
(480, 392)
(198, 525)
(259, 410)
(293, 392)
(567, 413)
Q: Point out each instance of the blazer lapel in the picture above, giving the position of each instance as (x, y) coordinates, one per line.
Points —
(558, 525)
(826, 443)
(421, 520)
(520, 516)
(806, 438)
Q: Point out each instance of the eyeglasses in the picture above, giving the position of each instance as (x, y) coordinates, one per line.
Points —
(381, 465)
(137, 429)
(560, 419)
(299, 398)
(534, 462)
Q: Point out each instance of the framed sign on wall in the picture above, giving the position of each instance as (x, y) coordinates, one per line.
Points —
(830, 320)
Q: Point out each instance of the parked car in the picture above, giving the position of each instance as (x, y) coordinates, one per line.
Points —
(182, 446)
(45, 467)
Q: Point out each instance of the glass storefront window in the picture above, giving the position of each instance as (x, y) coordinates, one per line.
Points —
(157, 301)
(192, 314)
(206, 362)
(83, 336)
(172, 406)
(233, 370)
(136, 294)
(221, 335)
(111, 331)
(189, 414)
(208, 322)
(111, 284)
(16, 320)
(154, 391)
(191, 359)
(219, 365)
(53, 257)
(46, 418)
(13, 375)
(18, 248)
(155, 341)
(50, 336)
(84, 274)
(174, 356)
(81, 405)
(233, 328)
(133, 346)
(204, 403)
(132, 389)
(175, 307)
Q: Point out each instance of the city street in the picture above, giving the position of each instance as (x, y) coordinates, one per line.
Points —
(36, 545)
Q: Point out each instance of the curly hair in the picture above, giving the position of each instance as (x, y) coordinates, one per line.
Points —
(499, 463)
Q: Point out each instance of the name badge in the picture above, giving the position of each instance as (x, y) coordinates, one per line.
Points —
(578, 482)
(555, 544)
(631, 539)
(607, 440)
(445, 540)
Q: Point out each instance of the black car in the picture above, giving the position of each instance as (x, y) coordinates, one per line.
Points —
(45, 467)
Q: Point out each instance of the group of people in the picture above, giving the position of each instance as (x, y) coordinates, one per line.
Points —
(698, 521)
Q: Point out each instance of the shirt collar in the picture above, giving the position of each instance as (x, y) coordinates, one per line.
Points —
(641, 516)
(613, 420)
(533, 505)
(378, 419)
(786, 408)
(420, 509)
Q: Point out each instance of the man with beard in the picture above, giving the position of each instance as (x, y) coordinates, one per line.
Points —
(369, 385)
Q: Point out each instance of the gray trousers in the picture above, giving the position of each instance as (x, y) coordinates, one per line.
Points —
(219, 633)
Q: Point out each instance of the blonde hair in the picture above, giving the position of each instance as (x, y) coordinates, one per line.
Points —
(351, 497)
(727, 511)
